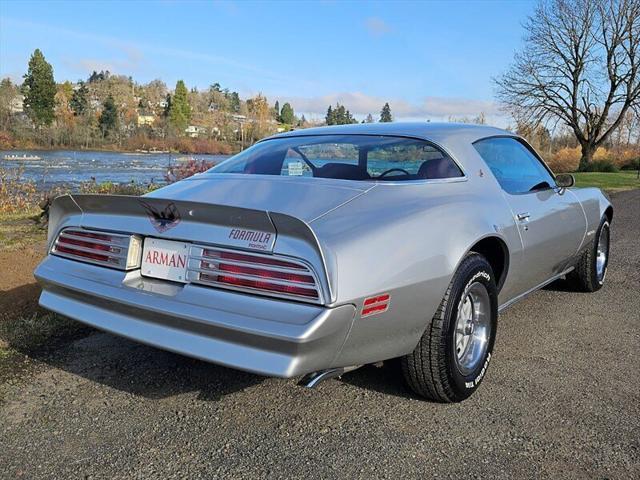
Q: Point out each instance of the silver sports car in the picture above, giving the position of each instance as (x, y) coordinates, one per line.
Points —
(317, 251)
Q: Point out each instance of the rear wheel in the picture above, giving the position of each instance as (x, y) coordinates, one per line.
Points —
(591, 269)
(452, 356)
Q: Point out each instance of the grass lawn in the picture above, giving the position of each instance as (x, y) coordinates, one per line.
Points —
(19, 229)
(613, 182)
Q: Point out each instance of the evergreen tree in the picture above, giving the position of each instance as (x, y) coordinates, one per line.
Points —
(286, 115)
(167, 106)
(369, 119)
(39, 90)
(180, 110)
(385, 114)
(234, 102)
(348, 118)
(340, 114)
(276, 108)
(330, 119)
(108, 120)
(80, 100)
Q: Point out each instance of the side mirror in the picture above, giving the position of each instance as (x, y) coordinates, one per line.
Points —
(565, 180)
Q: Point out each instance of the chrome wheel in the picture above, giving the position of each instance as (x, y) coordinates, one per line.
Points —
(473, 327)
(602, 252)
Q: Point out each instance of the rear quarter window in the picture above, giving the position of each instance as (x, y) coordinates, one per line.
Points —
(516, 168)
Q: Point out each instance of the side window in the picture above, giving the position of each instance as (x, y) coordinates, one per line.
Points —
(514, 166)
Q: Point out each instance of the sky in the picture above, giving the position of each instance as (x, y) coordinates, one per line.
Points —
(428, 59)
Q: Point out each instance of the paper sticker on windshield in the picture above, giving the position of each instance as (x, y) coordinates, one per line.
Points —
(295, 168)
(254, 239)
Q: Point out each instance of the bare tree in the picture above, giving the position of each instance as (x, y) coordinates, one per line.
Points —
(580, 66)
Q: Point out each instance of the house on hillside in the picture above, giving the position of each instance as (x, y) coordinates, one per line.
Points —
(17, 104)
(239, 118)
(194, 131)
(145, 119)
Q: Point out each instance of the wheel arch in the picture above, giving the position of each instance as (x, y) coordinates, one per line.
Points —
(609, 213)
(495, 250)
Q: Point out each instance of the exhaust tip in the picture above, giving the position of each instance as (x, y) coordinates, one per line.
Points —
(311, 380)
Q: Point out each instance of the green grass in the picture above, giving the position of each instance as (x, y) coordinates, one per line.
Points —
(20, 229)
(613, 182)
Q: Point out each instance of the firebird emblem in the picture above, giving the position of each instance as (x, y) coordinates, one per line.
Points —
(162, 220)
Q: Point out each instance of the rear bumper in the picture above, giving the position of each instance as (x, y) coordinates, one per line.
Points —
(258, 334)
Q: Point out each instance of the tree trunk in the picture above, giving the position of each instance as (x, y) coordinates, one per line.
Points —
(588, 150)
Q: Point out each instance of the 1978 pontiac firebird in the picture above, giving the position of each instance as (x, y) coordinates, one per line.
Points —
(319, 250)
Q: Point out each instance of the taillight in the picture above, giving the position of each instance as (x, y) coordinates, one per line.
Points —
(108, 249)
(245, 271)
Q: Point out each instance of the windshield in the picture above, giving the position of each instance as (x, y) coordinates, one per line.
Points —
(347, 157)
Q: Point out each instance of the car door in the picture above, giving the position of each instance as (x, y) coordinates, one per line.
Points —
(550, 220)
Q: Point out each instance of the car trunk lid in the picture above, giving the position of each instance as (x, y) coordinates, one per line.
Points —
(302, 198)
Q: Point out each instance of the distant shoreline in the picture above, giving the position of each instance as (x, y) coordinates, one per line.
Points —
(110, 150)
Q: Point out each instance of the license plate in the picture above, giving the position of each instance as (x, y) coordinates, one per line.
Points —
(165, 259)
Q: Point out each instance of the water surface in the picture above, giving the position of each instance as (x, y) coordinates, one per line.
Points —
(72, 167)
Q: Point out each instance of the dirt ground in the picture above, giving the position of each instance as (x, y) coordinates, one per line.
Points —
(18, 290)
(560, 400)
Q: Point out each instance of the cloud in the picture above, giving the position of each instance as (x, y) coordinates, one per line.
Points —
(451, 106)
(133, 53)
(360, 103)
(376, 26)
(132, 59)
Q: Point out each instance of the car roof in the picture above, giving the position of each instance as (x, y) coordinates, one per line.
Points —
(444, 134)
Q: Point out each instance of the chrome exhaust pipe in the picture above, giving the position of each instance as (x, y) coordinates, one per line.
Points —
(311, 380)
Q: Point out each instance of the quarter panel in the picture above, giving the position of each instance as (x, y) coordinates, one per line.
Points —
(405, 240)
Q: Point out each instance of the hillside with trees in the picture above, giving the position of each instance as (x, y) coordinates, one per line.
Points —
(110, 111)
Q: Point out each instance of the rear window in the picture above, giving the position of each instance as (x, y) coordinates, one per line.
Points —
(347, 157)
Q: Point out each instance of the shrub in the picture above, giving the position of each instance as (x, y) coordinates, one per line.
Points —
(602, 154)
(565, 160)
(631, 164)
(17, 195)
(606, 166)
(187, 169)
(112, 188)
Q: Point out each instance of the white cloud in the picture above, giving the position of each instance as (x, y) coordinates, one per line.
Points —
(376, 26)
(361, 104)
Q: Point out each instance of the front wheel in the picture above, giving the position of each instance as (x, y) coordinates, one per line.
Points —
(452, 356)
(591, 269)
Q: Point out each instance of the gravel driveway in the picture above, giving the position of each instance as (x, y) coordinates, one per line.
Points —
(561, 400)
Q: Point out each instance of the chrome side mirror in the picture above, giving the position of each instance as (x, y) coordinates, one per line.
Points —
(565, 180)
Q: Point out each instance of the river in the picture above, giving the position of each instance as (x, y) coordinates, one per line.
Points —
(72, 167)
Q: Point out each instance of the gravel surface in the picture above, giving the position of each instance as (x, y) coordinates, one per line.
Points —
(560, 400)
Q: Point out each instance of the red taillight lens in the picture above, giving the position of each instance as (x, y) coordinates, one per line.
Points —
(254, 259)
(88, 244)
(261, 272)
(260, 285)
(256, 272)
(92, 256)
(113, 250)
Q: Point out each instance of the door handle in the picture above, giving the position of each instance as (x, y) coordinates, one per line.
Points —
(524, 217)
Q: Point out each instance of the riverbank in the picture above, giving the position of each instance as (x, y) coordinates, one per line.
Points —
(137, 144)
(70, 169)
